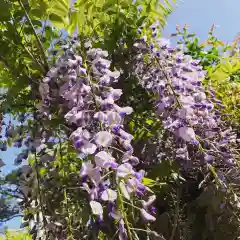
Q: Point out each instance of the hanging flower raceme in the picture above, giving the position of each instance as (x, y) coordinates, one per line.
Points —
(181, 101)
(83, 87)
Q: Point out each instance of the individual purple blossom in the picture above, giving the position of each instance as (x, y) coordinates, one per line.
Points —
(93, 173)
(105, 160)
(147, 216)
(103, 139)
(124, 190)
(115, 214)
(149, 202)
(101, 116)
(139, 8)
(109, 195)
(123, 110)
(88, 148)
(135, 185)
(125, 170)
(122, 231)
(96, 207)
(113, 118)
(187, 134)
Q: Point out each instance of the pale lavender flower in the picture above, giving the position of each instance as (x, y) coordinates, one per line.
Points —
(103, 139)
(146, 216)
(187, 134)
(149, 202)
(104, 80)
(88, 44)
(88, 148)
(109, 195)
(115, 75)
(132, 159)
(114, 93)
(101, 116)
(123, 110)
(125, 135)
(115, 214)
(104, 160)
(139, 8)
(122, 231)
(124, 190)
(113, 118)
(96, 207)
(135, 185)
(125, 170)
(93, 173)
(86, 169)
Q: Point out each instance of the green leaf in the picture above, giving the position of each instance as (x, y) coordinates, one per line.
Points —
(56, 20)
(42, 171)
(149, 122)
(141, 20)
(58, 12)
(227, 67)
(5, 10)
(148, 182)
(36, 13)
(76, 21)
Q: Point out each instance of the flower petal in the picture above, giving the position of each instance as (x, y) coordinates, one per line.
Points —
(103, 138)
(109, 195)
(96, 208)
(146, 216)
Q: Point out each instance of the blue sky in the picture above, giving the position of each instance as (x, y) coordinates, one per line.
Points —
(200, 15)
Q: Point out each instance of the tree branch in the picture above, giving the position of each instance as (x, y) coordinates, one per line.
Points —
(36, 36)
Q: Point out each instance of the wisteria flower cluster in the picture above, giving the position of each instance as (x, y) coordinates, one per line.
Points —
(83, 87)
(182, 102)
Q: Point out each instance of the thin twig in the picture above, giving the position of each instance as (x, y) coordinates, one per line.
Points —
(36, 36)
(176, 216)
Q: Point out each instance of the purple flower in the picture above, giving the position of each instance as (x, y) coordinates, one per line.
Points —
(115, 214)
(109, 195)
(105, 160)
(101, 116)
(88, 148)
(96, 208)
(187, 134)
(139, 175)
(124, 190)
(122, 231)
(149, 202)
(125, 135)
(146, 216)
(113, 118)
(93, 173)
(125, 170)
(124, 110)
(139, 8)
(103, 138)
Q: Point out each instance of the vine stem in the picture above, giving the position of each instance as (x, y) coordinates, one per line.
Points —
(176, 215)
(39, 193)
(124, 215)
(69, 226)
(40, 46)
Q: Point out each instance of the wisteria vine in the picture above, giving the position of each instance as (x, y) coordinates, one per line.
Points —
(84, 89)
(185, 107)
